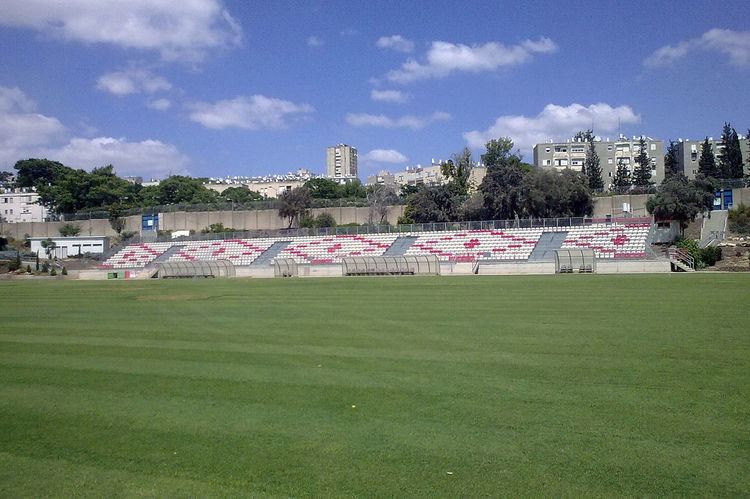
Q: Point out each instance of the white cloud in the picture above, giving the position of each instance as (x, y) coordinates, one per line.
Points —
(177, 30)
(408, 121)
(395, 42)
(151, 158)
(159, 104)
(384, 156)
(26, 134)
(554, 122)
(444, 58)
(22, 129)
(733, 44)
(253, 113)
(314, 41)
(131, 81)
(389, 95)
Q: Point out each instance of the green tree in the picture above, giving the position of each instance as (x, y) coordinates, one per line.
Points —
(70, 230)
(621, 183)
(323, 188)
(501, 186)
(458, 171)
(294, 203)
(179, 189)
(116, 217)
(592, 167)
(729, 163)
(680, 199)
(407, 190)
(352, 189)
(707, 162)
(34, 172)
(671, 165)
(379, 199)
(325, 220)
(551, 194)
(240, 195)
(432, 204)
(642, 170)
(49, 247)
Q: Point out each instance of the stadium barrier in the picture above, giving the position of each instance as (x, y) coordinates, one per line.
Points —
(390, 265)
(195, 269)
(578, 260)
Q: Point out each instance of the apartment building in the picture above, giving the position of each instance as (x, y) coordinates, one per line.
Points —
(21, 205)
(341, 162)
(422, 175)
(571, 154)
(689, 154)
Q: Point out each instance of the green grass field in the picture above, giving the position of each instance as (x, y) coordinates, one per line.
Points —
(455, 387)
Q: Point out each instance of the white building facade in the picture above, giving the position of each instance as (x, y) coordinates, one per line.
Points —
(21, 205)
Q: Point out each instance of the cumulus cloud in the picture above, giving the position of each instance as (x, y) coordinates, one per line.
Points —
(151, 158)
(388, 95)
(21, 128)
(407, 121)
(253, 113)
(395, 42)
(554, 122)
(177, 30)
(733, 44)
(444, 58)
(25, 134)
(131, 81)
(384, 156)
(159, 104)
(314, 41)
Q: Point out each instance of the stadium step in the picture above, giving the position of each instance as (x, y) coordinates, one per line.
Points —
(544, 251)
(400, 245)
(266, 258)
(165, 256)
(713, 229)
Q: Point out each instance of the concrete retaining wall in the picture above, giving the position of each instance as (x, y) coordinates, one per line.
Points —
(632, 266)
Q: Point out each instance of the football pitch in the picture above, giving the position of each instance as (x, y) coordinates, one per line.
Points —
(442, 387)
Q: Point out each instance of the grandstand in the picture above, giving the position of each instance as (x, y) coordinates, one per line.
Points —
(614, 241)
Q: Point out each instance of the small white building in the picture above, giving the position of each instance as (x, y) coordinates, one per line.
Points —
(21, 205)
(71, 246)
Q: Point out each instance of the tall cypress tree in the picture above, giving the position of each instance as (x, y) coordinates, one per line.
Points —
(671, 166)
(748, 148)
(642, 170)
(621, 183)
(707, 162)
(592, 167)
(734, 156)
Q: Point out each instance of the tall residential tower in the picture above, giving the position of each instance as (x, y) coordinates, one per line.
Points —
(341, 162)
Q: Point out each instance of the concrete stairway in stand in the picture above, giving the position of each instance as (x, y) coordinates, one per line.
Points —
(400, 246)
(544, 251)
(713, 228)
(167, 254)
(266, 258)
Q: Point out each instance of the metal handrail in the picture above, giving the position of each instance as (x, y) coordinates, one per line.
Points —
(682, 256)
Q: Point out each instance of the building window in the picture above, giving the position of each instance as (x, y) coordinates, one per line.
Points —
(546, 149)
(653, 147)
(609, 147)
(576, 149)
(561, 149)
(610, 161)
(546, 162)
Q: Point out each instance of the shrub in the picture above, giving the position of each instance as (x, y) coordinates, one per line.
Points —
(705, 257)
(15, 264)
(325, 220)
(53, 272)
(45, 267)
(68, 230)
(28, 269)
(739, 220)
(64, 271)
(217, 229)
(711, 255)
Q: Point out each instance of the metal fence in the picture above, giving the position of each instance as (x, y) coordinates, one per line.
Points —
(264, 204)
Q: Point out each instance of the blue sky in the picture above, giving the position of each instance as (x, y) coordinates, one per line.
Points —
(248, 88)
